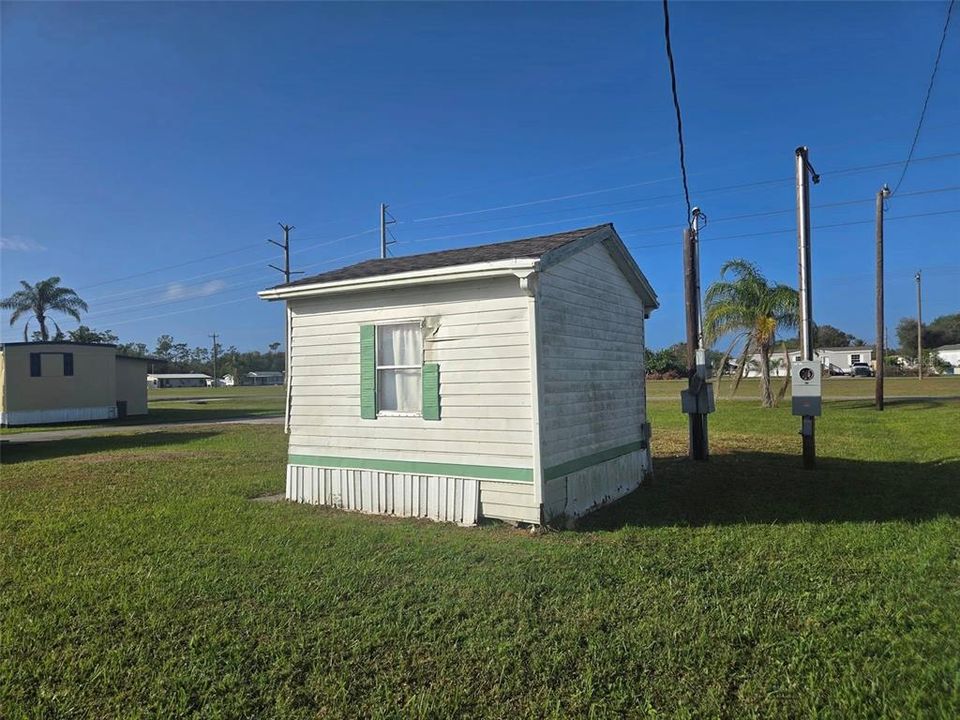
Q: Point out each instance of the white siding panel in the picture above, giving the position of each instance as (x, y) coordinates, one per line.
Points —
(58, 415)
(591, 363)
(481, 343)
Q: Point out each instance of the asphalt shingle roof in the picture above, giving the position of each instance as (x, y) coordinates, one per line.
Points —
(533, 247)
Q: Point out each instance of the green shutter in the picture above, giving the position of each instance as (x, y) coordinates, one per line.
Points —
(431, 391)
(368, 372)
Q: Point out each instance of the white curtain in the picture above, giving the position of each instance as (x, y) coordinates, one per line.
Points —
(398, 384)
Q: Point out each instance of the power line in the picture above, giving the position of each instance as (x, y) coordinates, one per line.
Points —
(676, 107)
(226, 271)
(793, 230)
(926, 100)
(259, 282)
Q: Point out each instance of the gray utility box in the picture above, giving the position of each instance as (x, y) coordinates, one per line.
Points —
(805, 387)
(700, 403)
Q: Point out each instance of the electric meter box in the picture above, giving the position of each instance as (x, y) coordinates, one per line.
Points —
(805, 387)
(701, 403)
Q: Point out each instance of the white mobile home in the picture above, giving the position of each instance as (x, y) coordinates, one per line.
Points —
(502, 381)
(177, 380)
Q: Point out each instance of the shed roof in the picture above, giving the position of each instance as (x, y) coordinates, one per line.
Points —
(946, 347)
(533, 247)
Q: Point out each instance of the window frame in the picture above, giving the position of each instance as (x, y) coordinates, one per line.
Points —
(377, 367)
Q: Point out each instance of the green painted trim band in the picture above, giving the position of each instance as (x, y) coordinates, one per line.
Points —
(482, 472)
(572, 466)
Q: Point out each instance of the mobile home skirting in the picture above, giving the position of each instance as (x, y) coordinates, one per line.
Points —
(435, 497)
(582, 490)
(58, 415)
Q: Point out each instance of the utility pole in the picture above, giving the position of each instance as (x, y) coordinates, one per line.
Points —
(882, 195)
(805, 173)
(696, 400)
(287, 272)
(384, 222)
(215, 349)
(919, 330)
(285, 245)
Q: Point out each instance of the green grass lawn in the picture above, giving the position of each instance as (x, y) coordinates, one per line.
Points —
(139, 578)
(833, 388)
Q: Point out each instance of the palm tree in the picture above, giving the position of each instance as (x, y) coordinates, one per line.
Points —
(41, 299)
(751, 309)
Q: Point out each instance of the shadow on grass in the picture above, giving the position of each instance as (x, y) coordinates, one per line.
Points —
(771, 488)
(17, 449)
(915, 403)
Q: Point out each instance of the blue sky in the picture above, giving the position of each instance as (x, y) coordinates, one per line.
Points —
(139, 136)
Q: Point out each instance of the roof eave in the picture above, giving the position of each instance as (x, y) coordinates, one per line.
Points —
(450, 273)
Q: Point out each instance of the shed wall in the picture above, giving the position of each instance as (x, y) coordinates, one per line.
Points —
(131, 384)
(481, 344)
(593, 404)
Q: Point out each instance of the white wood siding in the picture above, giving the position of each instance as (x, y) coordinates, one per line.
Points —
(591, 363)
(482, 347)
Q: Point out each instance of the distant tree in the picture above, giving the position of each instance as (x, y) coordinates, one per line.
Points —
(749, 308)
(945, 330)
(84, 334)
(164, 348)
(274, 346)
(829, 336)
(58, 336)
(40, 300)
(663, 361)
(135, 349)
(907, 337)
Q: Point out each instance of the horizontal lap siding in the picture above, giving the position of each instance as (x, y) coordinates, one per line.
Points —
(591, 358)
(481, 345)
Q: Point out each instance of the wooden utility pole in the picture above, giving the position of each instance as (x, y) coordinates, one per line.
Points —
(697, 392)
(882, 195)
(287, 272)
(919, 329)
(285, 245)
(215, 349)
(804, 173)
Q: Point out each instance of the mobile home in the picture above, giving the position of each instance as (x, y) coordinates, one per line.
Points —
(56, 382)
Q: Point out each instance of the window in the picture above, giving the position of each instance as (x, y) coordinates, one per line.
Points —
(855, 358)
(399, 366)
(50, 364)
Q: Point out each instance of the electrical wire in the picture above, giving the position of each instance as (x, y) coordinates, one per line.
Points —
(792, 230)
(676, 107)
(926, 100)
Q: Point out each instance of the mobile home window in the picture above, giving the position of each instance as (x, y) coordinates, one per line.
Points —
(399, 368)
(854, 358)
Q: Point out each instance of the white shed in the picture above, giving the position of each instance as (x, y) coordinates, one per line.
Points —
(501, 381)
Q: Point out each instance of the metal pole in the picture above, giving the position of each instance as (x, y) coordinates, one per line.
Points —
(807, 429)
(919, 330)
(383, 231)
(882, 195)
